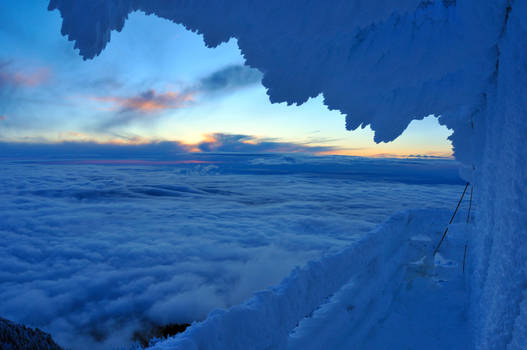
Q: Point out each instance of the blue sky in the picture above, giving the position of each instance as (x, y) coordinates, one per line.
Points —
(157, 81)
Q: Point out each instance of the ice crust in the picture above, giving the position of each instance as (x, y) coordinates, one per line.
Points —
(385, 63)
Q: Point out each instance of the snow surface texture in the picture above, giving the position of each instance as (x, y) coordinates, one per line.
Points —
(415, 301)
(90, 253)
(385, 63)
(383, 289)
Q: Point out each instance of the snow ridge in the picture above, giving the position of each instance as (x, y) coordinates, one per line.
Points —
(266, 320)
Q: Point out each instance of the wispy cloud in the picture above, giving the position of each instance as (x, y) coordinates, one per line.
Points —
(228, 143)
(224, 80)
(149, 101)
(92, 150)
(105, 83)
(81, 144)
(17, 77)
(228, 79)
(146, 105)
(152, 103)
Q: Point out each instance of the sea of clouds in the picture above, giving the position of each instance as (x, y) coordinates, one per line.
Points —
(93, 250)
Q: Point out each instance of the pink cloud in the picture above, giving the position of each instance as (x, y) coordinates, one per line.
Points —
(21, 78)
(149, 101)
(3, 117)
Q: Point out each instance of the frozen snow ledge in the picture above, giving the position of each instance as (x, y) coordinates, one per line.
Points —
(382, 63)
(266, 320)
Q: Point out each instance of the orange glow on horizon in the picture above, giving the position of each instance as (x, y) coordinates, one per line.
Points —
(209, 138)
(213, 142)
(371, 153)
(75, 136)
(132, 162)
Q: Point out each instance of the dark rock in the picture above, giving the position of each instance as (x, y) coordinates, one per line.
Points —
(19, 337)
(158, 332)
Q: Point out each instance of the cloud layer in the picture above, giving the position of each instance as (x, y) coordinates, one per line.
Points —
(217, 142)
(92, 252)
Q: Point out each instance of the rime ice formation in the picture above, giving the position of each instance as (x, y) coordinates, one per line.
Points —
(399, 308)
(381, 63)
(384, 63)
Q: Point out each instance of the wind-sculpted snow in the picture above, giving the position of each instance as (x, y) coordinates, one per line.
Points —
(381, 63)
(502, 176)
(93, 251)
(408, 298)
(372, 271)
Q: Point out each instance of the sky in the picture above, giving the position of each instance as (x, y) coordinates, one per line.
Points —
(157, 82)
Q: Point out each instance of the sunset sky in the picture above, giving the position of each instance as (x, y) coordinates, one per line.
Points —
(157, 81)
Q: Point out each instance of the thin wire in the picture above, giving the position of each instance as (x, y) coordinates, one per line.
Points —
(465, 256)
(470, 205)
(468, 220)
(452, 218)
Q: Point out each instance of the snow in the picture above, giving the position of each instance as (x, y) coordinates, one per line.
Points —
(353, 52)
(386, 63)
(406, 306)
(364, 297)
(501, 273)
(92, 250)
